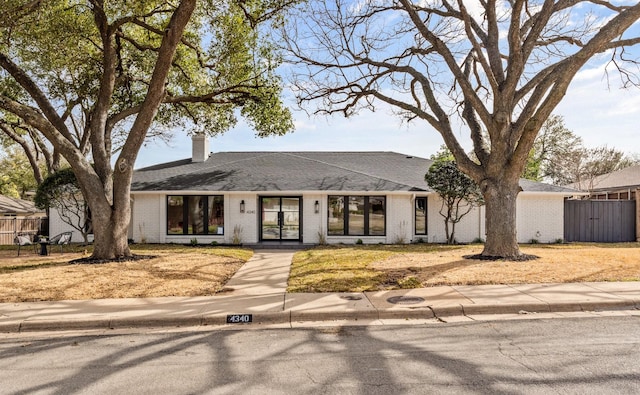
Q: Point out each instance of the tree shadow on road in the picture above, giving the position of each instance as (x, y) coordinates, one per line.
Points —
(476, 358)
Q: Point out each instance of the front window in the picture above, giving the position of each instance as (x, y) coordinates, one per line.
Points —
(175, 215)
(421, 216)
(357, 215)
(336, 215)
(376, 216)
(195, 215)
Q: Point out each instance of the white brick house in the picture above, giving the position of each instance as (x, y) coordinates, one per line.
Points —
(311, 197)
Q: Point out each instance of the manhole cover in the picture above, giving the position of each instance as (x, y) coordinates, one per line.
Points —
(351, 297)
(405, 299)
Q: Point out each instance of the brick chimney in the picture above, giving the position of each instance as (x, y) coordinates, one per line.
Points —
(199, 147)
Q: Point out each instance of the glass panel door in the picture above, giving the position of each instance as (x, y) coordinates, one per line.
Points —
(270, 218)
(290, 224)
(280, 218)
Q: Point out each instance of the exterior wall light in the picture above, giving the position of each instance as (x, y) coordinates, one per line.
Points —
(317, 206)
(242, 206)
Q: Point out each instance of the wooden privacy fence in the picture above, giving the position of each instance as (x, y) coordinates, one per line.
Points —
(10, 227)
(600, 221)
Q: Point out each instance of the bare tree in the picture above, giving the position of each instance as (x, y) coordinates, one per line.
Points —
(497, 67)
(588, 163)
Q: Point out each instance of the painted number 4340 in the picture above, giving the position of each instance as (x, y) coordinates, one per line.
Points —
(239, 318)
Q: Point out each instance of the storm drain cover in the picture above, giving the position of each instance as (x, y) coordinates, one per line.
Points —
(351, 297)
(405, 299)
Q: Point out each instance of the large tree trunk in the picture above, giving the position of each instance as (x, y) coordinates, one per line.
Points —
(110, 217)
(114, 207)
(111, 242)
(500, 196)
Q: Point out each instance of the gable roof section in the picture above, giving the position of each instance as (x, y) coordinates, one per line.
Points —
(298, 171)
(629, 177)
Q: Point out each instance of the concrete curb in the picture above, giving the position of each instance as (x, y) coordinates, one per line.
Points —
(296, 308)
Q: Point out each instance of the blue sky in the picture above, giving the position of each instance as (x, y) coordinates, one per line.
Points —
(595, 109)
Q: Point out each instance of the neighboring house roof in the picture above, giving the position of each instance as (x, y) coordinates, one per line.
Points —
(628, 177)
(534, 186)
(297, 171)
(9, 205)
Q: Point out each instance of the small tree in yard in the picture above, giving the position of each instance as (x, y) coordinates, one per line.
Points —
(61, 192)
(459, 194)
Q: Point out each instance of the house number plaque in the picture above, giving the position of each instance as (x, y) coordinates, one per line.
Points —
(239, 318)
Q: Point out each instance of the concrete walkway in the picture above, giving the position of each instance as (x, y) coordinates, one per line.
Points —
(257, 293)
(266, 273)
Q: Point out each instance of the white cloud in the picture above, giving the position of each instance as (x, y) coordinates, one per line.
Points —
(474, 8)
(601, 112)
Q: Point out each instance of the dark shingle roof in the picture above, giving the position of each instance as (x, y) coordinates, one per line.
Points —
(288, 171)
(533, 186)
(296, 171)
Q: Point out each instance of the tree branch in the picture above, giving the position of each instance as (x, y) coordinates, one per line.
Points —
(28, 150)
(36, 94)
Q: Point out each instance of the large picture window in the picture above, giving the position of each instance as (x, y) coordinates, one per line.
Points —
(195, 215)
(357, 216)
(421, 216)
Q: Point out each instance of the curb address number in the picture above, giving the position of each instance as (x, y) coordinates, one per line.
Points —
(239, 318)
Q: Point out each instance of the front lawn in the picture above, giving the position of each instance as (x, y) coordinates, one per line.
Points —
(175, 270)
(180, 270)
(381, 267)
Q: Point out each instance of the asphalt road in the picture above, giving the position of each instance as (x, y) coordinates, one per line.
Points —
(564, 356)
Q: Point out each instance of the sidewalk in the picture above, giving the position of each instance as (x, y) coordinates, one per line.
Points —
(257, 293)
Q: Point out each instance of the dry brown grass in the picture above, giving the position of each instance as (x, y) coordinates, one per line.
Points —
(557, 264)
(175, 271)
(387, 267)
(188, 271)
